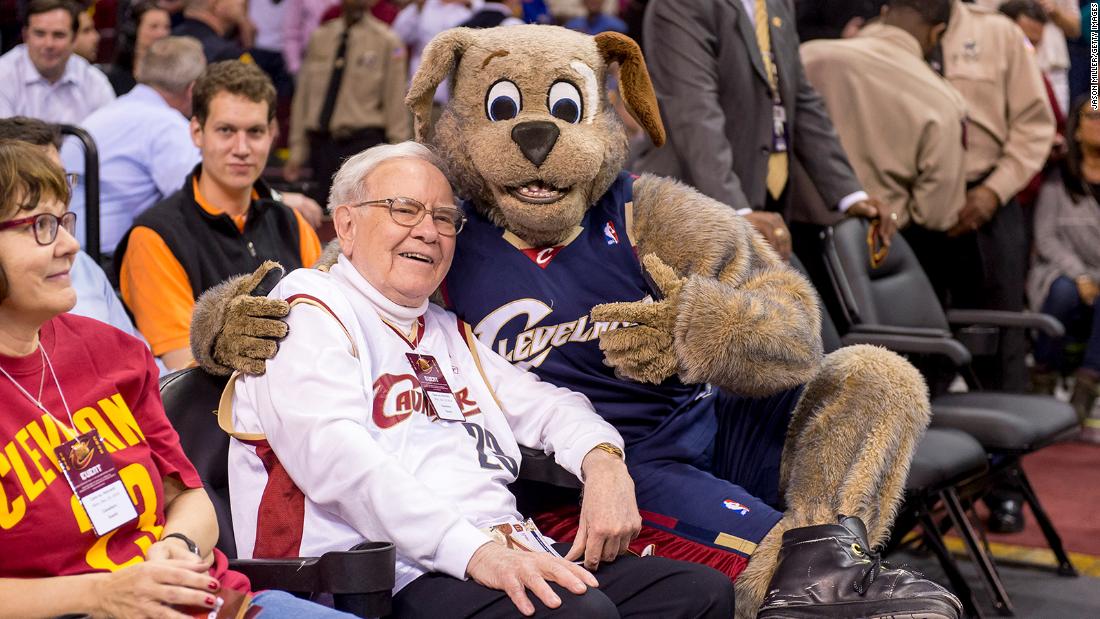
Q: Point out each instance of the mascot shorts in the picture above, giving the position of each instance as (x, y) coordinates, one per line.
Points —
(716, 508)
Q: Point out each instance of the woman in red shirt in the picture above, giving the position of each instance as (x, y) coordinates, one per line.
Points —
(101, 513)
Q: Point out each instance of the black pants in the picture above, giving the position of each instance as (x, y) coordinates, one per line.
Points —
(986, 269)
(327, 154)
(629, 587)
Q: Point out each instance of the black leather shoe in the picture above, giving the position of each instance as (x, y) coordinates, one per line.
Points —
(1006, 515)
(827, 571)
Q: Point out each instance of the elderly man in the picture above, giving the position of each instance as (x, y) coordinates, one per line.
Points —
(42, 78)
(383, 417)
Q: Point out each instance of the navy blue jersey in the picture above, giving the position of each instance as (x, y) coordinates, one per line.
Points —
(532, 306)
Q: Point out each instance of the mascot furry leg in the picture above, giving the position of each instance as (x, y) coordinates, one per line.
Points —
(848, 450)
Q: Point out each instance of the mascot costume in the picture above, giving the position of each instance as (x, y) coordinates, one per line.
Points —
(665, 308)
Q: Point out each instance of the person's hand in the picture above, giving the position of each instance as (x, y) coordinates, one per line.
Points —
(872, 208)
(771, 226)
(1088, 288)
(292, 171)
(981, 205)
(149, 589)
(516, 571)
(1049, 6)
(306, 206)
(174, 549)
(609, 511)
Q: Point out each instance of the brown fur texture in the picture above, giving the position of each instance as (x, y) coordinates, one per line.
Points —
(437, 61)
(329, 256)
(637, 90)
(852, 438)
(743, 320)
(230, 329)
(848, 450)
(752, 584)
(481, 157)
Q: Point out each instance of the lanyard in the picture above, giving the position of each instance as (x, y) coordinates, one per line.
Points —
(38, 403)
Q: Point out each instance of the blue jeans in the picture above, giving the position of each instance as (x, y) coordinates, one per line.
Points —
(1066, 305)
(283, 604)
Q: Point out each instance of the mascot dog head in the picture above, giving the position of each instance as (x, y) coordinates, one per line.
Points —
(529, 134)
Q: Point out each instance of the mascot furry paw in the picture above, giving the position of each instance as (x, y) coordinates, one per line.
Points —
(668, 311)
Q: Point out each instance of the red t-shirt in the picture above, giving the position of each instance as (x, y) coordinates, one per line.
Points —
(110, 382)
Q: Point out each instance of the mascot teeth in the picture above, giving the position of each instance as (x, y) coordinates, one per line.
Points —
(537, 192)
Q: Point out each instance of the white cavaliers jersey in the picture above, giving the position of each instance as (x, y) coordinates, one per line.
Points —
(346, 448)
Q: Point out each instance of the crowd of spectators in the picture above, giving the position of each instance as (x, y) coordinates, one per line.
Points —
(965, 127)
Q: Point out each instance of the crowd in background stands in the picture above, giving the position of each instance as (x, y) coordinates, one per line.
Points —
(1002, 100)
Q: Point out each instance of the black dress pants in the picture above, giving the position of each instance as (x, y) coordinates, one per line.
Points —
(986, 269)
(630, 586)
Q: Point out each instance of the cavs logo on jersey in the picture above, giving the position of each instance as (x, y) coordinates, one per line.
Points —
(610, 234)
(398, 396)
(536, 341)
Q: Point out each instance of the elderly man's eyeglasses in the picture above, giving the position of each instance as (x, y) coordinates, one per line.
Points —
(45, 225)
(408, 212)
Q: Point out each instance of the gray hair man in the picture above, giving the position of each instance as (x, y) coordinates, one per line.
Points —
(143, 137)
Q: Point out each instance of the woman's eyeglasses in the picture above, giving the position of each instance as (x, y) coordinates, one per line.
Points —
(408, 212)
(45, 225)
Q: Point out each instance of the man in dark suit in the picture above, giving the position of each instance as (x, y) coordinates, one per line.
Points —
(738, 118)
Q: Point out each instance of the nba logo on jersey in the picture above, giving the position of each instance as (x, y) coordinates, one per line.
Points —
(735, 506)
(610, 234)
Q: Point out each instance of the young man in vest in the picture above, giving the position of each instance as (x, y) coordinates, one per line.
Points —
(224, 221)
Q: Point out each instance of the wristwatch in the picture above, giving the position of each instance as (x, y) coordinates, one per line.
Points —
(191, 545)
(611, 449)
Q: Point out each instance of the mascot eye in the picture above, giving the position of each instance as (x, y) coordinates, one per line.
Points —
(564, 102)
(503, 101)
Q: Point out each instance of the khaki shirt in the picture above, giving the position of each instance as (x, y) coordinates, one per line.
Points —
(900, 123)
(988, 60)
(372, 93)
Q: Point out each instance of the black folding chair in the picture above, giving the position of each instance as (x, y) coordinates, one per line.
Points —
(894, 304)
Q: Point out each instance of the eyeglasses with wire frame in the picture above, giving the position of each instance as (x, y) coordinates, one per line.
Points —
(45, 225)
(407, 212)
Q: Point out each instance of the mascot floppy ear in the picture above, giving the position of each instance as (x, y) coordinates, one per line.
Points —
(439, 59)
(634, 84)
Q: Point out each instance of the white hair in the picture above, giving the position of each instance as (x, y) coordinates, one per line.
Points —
(172, 64)
(349, 183)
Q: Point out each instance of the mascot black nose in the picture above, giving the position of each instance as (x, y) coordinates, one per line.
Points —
(536, 139)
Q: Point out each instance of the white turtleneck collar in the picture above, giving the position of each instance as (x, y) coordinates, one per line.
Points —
(398, 315)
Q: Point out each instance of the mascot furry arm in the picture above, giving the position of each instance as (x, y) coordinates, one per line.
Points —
(735, 315)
